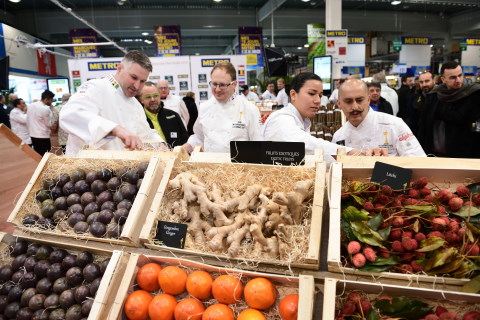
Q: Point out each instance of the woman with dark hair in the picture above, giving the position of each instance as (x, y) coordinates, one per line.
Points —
(292, 123)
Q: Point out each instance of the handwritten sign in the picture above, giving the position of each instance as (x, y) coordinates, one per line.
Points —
(397, 178)
(171, 234)
(267, 152)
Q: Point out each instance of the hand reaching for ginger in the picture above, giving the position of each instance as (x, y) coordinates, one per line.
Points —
(378, 152)
(130, 140)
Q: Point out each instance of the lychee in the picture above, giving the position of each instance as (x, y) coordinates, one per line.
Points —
(416, 267)
(476, 199)
(449, 316)
(353, 247)
(365, 306)
(455, 204)
(463, 191)
(359, 260)
(451, 237)
(472, 315)
(440, 310)
(431, 317)
(368, 206)
(410, 202)
(420, 237)
(397, 246)
(349, 308)
(420, 183)
(370, 254)
(467, 204)
(453, 226)
(461, 232)
(395, 234)
(412, 193)
(472, 249)
(444, 195)
(441, 210)
(436, 234)
(384, 253)
(406, 257)
(425, 192)
(438, 224)
(407, 234)
(397, 222)
(429, 198)
(387, 190)
(383, 199)
(354, 296)
(406, 268)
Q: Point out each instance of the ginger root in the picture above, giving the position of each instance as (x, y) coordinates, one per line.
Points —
(293, 200)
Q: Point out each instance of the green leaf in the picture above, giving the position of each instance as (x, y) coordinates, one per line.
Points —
(374, 269)
(353, 214)
(347, 229)
(365, 234)
(448, 267)
(373, 315)
(358, 186)
(360, 200)
(421, 208)
(403, 308)
(375, 222)
(465, 269)
(368, 239)
(439, 258)
(467, 211)
(385, 232)
(473, 286)
(430, 244)
(473, 228)
(391, 261)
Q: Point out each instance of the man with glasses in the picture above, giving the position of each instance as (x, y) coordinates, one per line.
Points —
(105, 114)
(448, 126)
(226, 116)
(168, 123)
(172, 102)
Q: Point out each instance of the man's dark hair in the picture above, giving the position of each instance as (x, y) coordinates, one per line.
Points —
(374, 84)
(47, 94)
(136, 56)
(271, 82)
(448, 65)
(405, 77)
(244, 88)
(299, 81)
(16, 102)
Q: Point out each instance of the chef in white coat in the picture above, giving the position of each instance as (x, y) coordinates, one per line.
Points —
(172, 102)
(226, 116)
(105, 114)
(366, 128)
(18, 120)
(292, 123)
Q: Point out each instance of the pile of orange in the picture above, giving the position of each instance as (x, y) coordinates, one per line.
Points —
(259, 294)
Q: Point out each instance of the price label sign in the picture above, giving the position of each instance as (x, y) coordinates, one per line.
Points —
(171, 234)
(268, 152)
(397, 178)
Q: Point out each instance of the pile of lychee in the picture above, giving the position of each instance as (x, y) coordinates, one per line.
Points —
(421, 223)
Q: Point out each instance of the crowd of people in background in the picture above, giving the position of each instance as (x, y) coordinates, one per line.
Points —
(438, 116)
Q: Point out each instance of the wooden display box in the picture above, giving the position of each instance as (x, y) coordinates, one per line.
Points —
(144, 155)
(112, 277)
(247, 174)
(52, 165)
(443, 177)
(452, 301)
(303, 285)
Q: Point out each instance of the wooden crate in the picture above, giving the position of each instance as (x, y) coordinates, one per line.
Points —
(133, 155)
(444, 177)
(249, 173)
(455, 302)
(303, 285)
(113, 274)
(138, 212)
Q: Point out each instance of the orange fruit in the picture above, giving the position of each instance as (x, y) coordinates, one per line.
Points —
(227, 289)
(162, 307)
(199, 284)
(189, 309)
(136, 305)
(172, 280)
(218, 311)
(260, 293)
(147, 277)
(251, 314)
(288, 307)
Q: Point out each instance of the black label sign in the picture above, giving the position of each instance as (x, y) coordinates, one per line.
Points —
(396, 177)
(268, 152)
(171, 234)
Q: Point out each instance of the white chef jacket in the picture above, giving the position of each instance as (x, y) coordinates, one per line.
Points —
(268, 96)
(324, 101)
(177, 104)
(288, 125)
(18, 120)
(391, 96)
(251, 96)
(95, 109)
(219, 123)
(282, 97)
(334, 96)
(380, 130)
(38, 119)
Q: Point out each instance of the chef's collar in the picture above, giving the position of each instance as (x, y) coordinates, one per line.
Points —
(113, 82)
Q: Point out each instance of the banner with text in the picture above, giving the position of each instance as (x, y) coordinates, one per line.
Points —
(316, 41)
(471, 54)
(168, 41)
(356, 52)
(81, 36)
(47, 65)
(250, 43)
(415, 51)
(337, 42)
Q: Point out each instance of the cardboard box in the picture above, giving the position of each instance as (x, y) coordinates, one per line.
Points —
(242, 175)
(303, 285)
(51, 166)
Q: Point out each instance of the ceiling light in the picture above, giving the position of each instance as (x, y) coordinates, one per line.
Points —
(299, 48)
(305, 0)
(306, 45)
(395, 2)
(217, 0)
(144, 33)
(15, 1)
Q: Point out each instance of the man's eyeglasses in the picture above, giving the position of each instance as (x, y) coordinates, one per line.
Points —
(220, 85)
(162, 88)
(151, 96)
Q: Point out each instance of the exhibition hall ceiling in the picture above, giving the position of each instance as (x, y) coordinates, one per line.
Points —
(210, 27)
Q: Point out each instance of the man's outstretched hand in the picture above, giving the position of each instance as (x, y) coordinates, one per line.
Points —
(130, 140)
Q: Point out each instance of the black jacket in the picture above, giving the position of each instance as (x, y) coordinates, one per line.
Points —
(192, 111)
(172, 127)
(384, 106)
(404, 94)
(4, 118)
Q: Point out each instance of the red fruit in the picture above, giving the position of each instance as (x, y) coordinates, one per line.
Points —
(359, 260)
(365, 306)
(438, 224)
(384, 297)
(368, 206)
(420, 183)
(409, 244)
(412, 193)
(451, 237)
(431, 317)
(444, 195)
(396, 203)
(429, 198)
(349, 308)
(461, 232)
(449, 316)
(408, 234)
(420, 254)
(440, 310)
(397, 246)
(354, 296)
(384, 253)
(441, 210)
(395, 234)
(410, 202)
(436, 234)
(353, 247)
(420, 237)
(467, 204)
(406, 268)
(370, 254)
(383, 199)
(407, 257)
(416, 267)
(425, 192)
(453, 226)
(384, 225)
(463, 191)
(472, 249)
(476, 199)
(387, 190)
(472, 315)
(455, 204)
(397, 222)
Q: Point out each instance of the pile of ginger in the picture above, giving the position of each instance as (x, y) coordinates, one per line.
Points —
(224, 219)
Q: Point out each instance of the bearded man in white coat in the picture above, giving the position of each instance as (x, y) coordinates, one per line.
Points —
(105, 114)
(226, 116)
